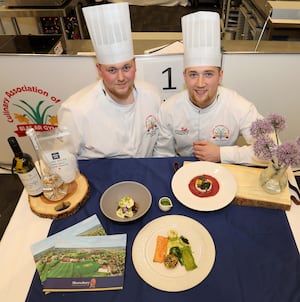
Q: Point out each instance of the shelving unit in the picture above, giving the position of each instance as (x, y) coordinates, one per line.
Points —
(254, 22)
(250, 22)
(64, 11)
(230, 15)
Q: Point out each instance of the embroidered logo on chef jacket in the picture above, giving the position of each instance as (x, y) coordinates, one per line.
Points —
(151, 125)
(220, 133)
(182, 131)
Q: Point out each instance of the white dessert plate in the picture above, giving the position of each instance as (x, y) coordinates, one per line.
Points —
(183, 176)
(178, 278)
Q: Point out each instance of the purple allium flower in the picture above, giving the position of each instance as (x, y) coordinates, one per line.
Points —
(260, 128)
(288, 154)
(277, 121)
(264, 148)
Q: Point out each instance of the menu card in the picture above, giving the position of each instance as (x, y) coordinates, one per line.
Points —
(81, 258)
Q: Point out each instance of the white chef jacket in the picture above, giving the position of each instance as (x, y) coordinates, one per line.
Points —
(100, 127)
(229, 116)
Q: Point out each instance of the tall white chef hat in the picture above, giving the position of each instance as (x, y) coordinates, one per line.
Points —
(110, 31)
(201, 39)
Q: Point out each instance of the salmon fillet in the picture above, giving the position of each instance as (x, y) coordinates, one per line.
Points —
(160, 249)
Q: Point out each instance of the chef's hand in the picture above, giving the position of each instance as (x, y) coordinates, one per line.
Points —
(207, 151)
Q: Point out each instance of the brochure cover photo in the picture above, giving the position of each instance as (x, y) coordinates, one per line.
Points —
(78, 259)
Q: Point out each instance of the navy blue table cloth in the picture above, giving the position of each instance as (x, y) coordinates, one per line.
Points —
(256, 256)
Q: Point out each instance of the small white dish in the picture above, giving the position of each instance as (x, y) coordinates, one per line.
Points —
(165, 204)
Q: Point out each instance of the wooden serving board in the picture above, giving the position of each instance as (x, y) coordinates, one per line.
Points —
(250, 192)
(77, 194)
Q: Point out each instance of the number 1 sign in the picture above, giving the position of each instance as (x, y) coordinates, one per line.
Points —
(163, 71)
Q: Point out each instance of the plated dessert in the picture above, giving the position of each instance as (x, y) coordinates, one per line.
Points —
(204, 186)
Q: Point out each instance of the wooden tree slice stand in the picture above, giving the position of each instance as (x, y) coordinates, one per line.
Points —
(77, 194)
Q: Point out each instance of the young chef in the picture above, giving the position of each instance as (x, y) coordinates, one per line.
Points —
(205, 120)
(117, 115)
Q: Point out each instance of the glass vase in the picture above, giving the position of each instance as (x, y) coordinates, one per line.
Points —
(273, 179)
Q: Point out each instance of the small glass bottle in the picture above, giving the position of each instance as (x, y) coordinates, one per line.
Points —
(23, 165)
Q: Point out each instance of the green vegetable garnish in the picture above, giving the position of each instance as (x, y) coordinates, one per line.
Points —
(188, 259)
(179, 246)
(175, 250)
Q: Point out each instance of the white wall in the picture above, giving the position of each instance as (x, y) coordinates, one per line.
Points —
(270, 81)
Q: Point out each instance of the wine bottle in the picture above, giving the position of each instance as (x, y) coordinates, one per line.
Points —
(23, 165)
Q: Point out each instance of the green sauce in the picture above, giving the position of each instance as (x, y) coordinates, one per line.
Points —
(165, 202)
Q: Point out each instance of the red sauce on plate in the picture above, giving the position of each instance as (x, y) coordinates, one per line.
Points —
(213, 191)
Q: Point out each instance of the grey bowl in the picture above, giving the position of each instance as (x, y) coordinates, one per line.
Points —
(110, 198)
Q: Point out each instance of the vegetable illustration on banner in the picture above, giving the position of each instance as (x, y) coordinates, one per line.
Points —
(30, 107)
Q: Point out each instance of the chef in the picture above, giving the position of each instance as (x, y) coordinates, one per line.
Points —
(117, 115)
(206, 119)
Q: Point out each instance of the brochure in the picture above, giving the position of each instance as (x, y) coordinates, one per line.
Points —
(90, 226)
(78, 259)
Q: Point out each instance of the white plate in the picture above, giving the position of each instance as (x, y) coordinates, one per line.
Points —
(183, 176)
(177, 279)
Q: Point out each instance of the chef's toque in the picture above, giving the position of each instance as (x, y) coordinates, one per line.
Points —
(201, 39)
(109, 27)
